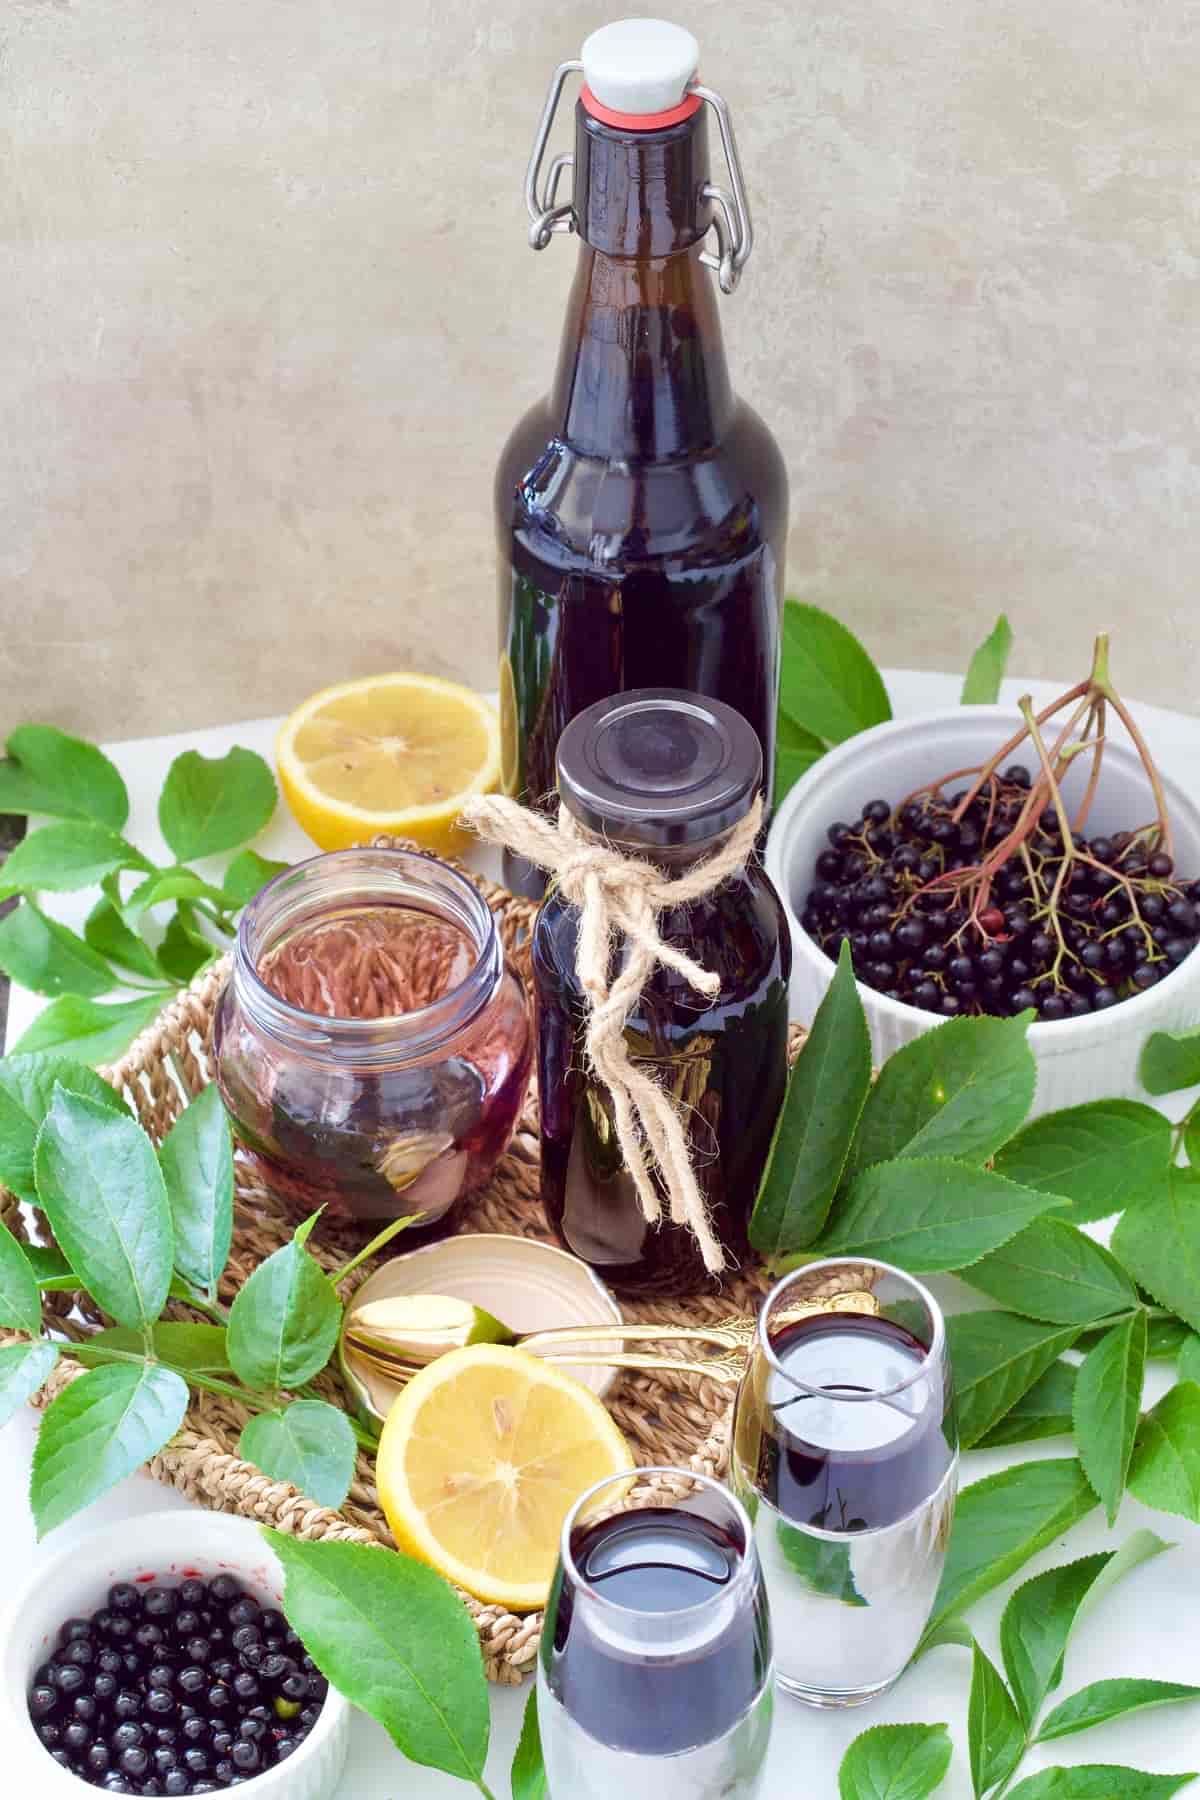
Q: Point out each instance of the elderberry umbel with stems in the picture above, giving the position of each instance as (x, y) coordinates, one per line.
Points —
(981, 893)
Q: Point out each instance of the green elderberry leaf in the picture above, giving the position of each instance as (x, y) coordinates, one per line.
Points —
(285, 1319)
(40, 954)
(1041, 1615)
(825, 1094)
(796, 750)
(1105, 1700)
(88, 1031)
(1108, 1397)
(528, 1776)
(76, 853)
(927, 1213)
(20, 1296)
(196, 1158)
(24, 1368)
(1102, 1157)
(107, 932)
(895, 1762)
(308, 1443)
(213, 804)
(27, 1085)
(1159, 1243)
(1165, 1470)
(960, 1090)
(986, 669)
(1170, 1060)
(997, 1357)
(1054, 1272)
(247, 874)
(1046, 1411)
(98, 1431)
(995, 1735)
(50, 772)
(396, 1640)
(1098, 1781)
(828, 684)
(1003, 1520)
(100, 1186)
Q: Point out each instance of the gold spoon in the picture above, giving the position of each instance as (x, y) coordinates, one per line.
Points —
(400, 1335)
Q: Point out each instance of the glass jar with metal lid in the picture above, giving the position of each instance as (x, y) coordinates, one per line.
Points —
(372, 1045)
(664, 775)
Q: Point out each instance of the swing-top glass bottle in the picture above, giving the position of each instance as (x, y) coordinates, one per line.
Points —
(641, 507)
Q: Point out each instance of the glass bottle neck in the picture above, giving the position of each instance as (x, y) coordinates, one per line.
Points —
(641, 371)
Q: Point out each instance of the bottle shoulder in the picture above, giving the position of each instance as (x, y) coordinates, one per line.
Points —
(740, 932)
(731, 493)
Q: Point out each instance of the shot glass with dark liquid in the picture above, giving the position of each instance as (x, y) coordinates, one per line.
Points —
(654, 1674)
(845, 1453)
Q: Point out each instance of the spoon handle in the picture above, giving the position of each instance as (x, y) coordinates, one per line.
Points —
(733, 1334)
(726, 1367)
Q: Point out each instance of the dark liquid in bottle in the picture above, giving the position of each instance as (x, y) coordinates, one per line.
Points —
(861, 1465)
(641, 508)
(725, 1064)
(657, 1560)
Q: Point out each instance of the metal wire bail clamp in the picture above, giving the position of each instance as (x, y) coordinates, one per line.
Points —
(731, 216)
(545, 214)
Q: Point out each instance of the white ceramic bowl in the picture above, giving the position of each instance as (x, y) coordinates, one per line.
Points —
(1078, 1059)
(165, 1545)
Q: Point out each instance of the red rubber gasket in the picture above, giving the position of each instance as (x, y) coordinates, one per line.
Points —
(639, 121)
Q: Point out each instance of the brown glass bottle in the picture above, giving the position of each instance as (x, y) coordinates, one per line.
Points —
(641, 507)
(664, 775)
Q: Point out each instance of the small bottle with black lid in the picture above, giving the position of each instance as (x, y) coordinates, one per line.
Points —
(665, 775)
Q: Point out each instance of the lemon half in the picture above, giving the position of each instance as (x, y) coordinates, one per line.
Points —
(388, 753)
(483, 1455)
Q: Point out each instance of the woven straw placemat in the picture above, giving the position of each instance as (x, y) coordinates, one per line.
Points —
(677, 1418)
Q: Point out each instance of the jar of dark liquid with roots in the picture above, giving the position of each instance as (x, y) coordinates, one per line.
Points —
(664, 775)
(372, 1045)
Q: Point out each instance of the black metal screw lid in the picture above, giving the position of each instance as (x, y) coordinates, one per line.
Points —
(659, 768)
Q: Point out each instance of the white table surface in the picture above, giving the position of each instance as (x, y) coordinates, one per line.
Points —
(1147, 1628)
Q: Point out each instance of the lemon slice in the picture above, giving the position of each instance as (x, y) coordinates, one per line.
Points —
(390, 753)
(482, 1457)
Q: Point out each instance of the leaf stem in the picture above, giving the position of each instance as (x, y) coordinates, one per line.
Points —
(250, 1398)
(390, 1230)
(364, 1436)
(203, 1303)
(1179, 1131)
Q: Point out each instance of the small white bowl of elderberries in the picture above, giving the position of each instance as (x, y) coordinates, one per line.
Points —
(155, 1660)
(976, 866)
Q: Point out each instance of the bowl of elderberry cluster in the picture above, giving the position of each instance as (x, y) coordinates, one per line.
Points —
(976, 866)
(158, 1662)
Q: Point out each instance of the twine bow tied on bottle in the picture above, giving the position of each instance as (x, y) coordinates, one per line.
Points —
(623, 896)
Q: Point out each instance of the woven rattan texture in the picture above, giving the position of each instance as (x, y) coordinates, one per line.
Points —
(678, 1419)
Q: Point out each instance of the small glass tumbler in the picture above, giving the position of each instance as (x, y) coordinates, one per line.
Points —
(654, 1674)
(845, 1451)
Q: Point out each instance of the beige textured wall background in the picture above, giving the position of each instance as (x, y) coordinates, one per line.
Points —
(266, 315)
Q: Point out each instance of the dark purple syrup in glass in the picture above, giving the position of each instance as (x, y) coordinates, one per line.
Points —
(854, 1457)
(656, 1561)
